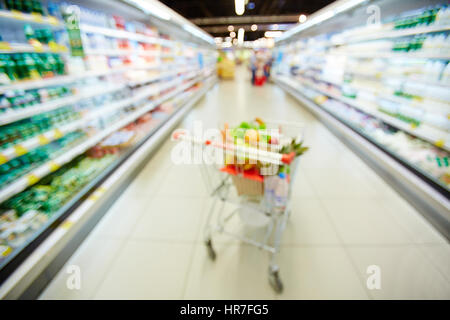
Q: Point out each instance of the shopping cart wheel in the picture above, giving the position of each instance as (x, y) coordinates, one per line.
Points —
(275, 282)
(211, 252)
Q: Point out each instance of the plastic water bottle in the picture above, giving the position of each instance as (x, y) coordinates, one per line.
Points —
(269, 189)
(281, 191)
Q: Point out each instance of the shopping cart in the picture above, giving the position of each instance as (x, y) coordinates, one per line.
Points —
(231, 184)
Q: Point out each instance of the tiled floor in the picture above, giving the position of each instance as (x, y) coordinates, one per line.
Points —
(345, 219)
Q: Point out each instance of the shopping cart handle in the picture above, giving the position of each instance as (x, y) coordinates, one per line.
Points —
(287, 158)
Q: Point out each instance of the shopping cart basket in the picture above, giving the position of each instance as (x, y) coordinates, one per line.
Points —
(250, 193)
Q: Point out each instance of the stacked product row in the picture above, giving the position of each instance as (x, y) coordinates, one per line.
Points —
(23, 215)
(389, 81)
(69, 115)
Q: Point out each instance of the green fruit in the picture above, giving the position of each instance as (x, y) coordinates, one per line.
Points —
(244, 125)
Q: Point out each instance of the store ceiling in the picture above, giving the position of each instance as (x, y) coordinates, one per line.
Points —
(214, 16)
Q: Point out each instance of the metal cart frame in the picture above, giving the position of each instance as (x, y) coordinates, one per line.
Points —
(220, 184)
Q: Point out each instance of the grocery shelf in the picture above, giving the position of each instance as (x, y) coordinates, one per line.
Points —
(54, 81)
(376, 75)
(123, 34)
(158, 77)
(122, 52)
(50, 166)
(100, 192)
(33, 18)
(389, 96)
(385, 161)
(435, 136)
(15, 115)
(59, 131)
(37, 141)
(382, 74)
(382, 33)
(395, 55)
(28, 48)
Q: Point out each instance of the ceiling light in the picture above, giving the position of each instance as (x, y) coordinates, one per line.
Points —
(254, 27)
(232, 34)
(272, 34)
(241, 35)
(302, 18)
(239, 7)
(230, 28)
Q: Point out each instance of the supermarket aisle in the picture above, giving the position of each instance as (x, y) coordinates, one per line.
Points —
(345, 218)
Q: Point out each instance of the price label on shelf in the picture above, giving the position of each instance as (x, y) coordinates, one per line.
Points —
(440, 143)
(20, 150)
(52, 20)
(37, 46)
(32, 179)
(17, 15)
(3, 159)
(5, 250)
(37, 17)
(97, 194)
(101, 190)
(5, 46)
(53, 166)
(94, 197)
(57, 134)
(413, 125)
(43, 140)
(66, 225)
(53, 46)
(320, 99)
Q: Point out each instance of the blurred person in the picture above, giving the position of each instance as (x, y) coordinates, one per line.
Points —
(253, 66)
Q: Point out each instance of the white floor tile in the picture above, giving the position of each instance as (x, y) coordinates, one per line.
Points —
(302, 186)
(439, 256)
(318, 273)
(150, 179)
(420, 230)
(182, 180)
(405, 273)
(147, 270)
(123, 215)
(171, 219)
(340, 183)
(364, 221)
(94, 257)
(239, 272)
(309, 224)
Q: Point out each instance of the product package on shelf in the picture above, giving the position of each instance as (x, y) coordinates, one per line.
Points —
(77, 100)
(389, 81)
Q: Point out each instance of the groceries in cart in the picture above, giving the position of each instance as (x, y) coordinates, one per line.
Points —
(254, 176)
